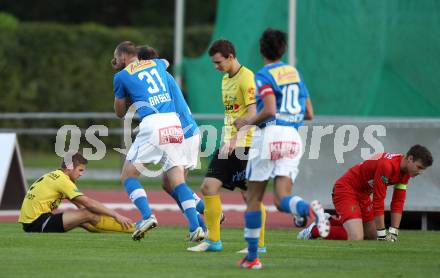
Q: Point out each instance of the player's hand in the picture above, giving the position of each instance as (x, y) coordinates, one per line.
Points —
(228, 149)
(239, 123)
(124, 221)
(381, 234)
(392, 234)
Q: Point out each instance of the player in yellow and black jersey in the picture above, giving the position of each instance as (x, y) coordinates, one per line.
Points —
(228, 166)
(46, 194)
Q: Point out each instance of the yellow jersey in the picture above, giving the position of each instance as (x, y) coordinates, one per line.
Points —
(46, 194)
(238, 92)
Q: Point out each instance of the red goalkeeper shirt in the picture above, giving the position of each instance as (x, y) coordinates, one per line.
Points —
(372, 176)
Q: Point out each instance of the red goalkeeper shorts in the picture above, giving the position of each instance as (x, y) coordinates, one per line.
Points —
(350, 204)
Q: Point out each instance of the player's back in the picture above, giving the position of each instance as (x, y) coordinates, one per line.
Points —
(362, 175)
(144, 83)
(189, 126)
(289, 90)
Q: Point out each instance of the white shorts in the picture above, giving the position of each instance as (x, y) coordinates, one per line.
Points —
(276, 151)
(191, 148)
(160, 138)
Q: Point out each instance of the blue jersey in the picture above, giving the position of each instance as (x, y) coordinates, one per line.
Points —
(145, 84)
(189, 126)
(284, 81)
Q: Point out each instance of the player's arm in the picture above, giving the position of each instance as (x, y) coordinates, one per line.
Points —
(383, 171)
(247, 89)
(120, 106)
(120, 102)
(251, 111)
(308, 115)
(309, 110)
(269, 107)
(397, 204)
(98, 208)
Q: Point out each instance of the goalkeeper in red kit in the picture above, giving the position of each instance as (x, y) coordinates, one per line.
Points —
(359, 195)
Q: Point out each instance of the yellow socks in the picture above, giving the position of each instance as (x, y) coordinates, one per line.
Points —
(263, 226)
(108, 224)
(213, 211)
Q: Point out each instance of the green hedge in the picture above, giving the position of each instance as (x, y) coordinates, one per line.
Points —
(53, 67)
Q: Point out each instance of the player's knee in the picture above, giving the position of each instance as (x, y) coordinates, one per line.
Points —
(355, 236)
(208, 189)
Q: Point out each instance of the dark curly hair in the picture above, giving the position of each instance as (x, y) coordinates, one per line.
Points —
(273, 44)
(146, 52)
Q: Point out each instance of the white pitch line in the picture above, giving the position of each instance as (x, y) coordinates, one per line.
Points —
(157, 207)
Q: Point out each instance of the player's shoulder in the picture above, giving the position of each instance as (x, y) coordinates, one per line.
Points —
(262, 76)
(246, 72)
(390, 161)
(62, 178)
(245, 75)
(120, 75)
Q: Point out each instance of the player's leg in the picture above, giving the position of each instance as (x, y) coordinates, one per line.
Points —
(192, 149)
(107, 224)
(134, 189)
(370, 230)
(354, 228)
(286, 202)
(261, 241)
(253, 223)
(213, 207)
(348, 207)
(337, 231)
(369, 225)
(213, 211)
(214, 179)
(199, 203)
(138, 197)
(176, 177)
(75, 218)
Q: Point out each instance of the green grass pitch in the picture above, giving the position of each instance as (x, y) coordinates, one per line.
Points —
(162, 254)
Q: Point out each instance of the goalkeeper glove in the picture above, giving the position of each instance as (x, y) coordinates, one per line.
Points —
(392, 234)
(381, 234)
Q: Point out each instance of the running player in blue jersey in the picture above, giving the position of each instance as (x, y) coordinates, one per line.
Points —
(190, 132)
(282, 104)
(160, 138)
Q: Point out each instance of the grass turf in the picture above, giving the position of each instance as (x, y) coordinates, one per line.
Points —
(163, 254)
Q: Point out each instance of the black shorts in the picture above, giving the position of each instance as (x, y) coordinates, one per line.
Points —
(46, 223)
(231, 171)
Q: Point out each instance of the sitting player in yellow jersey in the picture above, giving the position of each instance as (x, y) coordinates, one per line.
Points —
(46, 194)
(228, 165)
